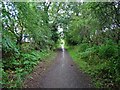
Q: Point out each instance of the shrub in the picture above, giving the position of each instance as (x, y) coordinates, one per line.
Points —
(88, 52)
(106, 51)
(83, 47)
(9, 48)
(101, 62)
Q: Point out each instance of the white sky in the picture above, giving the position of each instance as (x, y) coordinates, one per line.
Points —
(60, 29)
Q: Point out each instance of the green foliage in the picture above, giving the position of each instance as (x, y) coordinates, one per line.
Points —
(92, 27)
(21, 21)
(9, 47)
(101, 62)
(93, 35)
(83, 47)
(107, 51)
(18, 69)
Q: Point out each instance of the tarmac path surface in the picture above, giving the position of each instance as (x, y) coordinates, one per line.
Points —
(63, 73)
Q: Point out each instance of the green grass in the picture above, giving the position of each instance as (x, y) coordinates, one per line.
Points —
(84, 66)
(103, 68)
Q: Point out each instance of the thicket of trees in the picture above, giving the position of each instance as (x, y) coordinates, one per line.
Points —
(94, 29)
(30, 31)
(28, 35)
(95, 23)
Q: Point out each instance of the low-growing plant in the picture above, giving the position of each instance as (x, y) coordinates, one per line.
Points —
(14, 72)
(101, 62)
(106, 51)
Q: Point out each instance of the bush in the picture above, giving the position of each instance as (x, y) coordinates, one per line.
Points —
(83, 47)
(101, 62)
(106, 51)
(9, 48)
(15, 69)
(88, 52)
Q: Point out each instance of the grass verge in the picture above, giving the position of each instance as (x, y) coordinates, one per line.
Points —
(103, 70)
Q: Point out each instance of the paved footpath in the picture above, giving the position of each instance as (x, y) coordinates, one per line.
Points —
(63, 74)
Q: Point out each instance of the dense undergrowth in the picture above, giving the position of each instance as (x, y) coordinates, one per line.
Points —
(101, 62)
(94, 34)
(14, 71)
(27, 39)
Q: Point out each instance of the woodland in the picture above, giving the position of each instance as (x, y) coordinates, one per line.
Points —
(91, 31)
